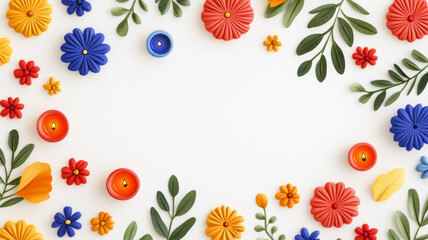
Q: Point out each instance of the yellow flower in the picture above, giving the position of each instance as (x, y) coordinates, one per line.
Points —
(103, 224)
(274, 3)
(272, 43)
(261, 200)
(36, 183)
(29, 17)
(224, 224)
(19, 231)
(53, 86)
(5, 51)
(288, 196)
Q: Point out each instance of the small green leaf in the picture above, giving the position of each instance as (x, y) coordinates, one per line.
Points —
(322, 17)
(274, 229)
(304, 68)
(411, 87)
(422, 83)
(323, 7)
(1, 180)
(356, 87)
(177, 10)
(11, 202)
(15, 181)
(2, 158)
(321, 69)
(147, 237)
(425, 221)
(260, 216)
(143, 6)
(130, 231)
(22, 156)
(259, 228)
(185, 3)
(365, 98)
(410, 65)
(164, 6)
(403, 224)
(394, 76)
(122, 1)
(414, 204)
(362, 26)
(162, 202)
(122, 28)
(309, 43)
(186, 204)
(381, 83)
(136, 18)
(424, 237)
(158, 223)
(357, 7)
(379, 100)
(119, 11)
(272, 220)
(346, 31)
(183, 229)
(419, 56)
(13, 140)
(425, 209)
(392, 98)
(392, 235)
(272, 12)
(292, 11)
(173, 186)
(281, 237)
(338, 58)
(400, 71)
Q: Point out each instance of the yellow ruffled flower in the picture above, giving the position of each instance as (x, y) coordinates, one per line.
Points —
(272, 43)
(29, 17)
(103, 223)
(19, 231)
(274, 3)
(36, 183)
(53, 86)
(5, 50)
(224, 224)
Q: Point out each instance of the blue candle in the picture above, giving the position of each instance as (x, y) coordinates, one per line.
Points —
(159, 44)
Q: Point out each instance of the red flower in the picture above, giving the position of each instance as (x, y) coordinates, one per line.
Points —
(365, 56)
(334, 205)
(227, 19)
(11, 107)
(27, 71)
(76, 173)
(366, 233)
(408, 19)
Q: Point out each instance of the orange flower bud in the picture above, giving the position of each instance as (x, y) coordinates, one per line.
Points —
(261, 200)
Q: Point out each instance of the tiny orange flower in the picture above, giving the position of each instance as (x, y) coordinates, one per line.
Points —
(261, 200)
(288, 196)
(272, 43)
(103, 224)
(53, 86)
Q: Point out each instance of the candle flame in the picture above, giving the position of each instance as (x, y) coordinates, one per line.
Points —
(363, 157)
(159, 43)
(53, 126)
(124, 183)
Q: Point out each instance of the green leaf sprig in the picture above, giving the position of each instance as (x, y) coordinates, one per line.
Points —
(323, 15)
(291, 8)
(399, 79)
(265, 228)
(123, 27)
(165, 5)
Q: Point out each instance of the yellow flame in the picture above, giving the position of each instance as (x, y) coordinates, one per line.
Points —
(363, 157)
(124, 183)
(53, 126)
(159, 43)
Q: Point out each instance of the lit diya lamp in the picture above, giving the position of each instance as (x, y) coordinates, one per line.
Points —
(362, 156)
(123, 184)
(52, 126)
(159, 44)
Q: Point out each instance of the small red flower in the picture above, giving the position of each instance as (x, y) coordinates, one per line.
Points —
(27, 71)
(12, 107)
(365, 56)
(76, 173)
(366, 233)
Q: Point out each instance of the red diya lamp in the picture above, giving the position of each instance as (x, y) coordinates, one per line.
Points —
(123, 184)
(52, 126)
(362, 156)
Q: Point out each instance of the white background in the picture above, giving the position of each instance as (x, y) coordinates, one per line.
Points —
(228, 118)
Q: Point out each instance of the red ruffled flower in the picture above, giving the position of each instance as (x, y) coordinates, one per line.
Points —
(334, 205)
(76, 173)
(12, 107)
(366, 233)
(365, 56)
(27, 71)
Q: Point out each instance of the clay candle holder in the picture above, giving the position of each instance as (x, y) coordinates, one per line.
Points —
(52, 126)
(123, 184)
(362, 156)
(159, 44)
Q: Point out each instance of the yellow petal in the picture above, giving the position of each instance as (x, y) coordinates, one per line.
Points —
(58, 83)
(275, 37)
(386, 185)
(276, 48)
(36, 183)
(267, 43)
(270, 48)
(270, 38)
(47, 86)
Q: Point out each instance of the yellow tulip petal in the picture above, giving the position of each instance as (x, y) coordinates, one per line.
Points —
(386, 185)
(36, 183)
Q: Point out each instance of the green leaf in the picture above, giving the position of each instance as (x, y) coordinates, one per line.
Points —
(13, 140)
(379, 100)
(419, 56)
(163, 203)
(182, 230)
(322, 17)
(403, 224)
(173, 186)
(122, 28)
(309, 43)
(177, 10)
(186, 204)
(164, 6)
(414, 204)
(260, 216)
(143, 6)
(158, 223)
(11, 202)
(422, 83)
(15, 181)
(381, 83)
(146, 237)
(425, 209)
(362, 26)
(323, 7)
(281, 237)
(272, 12)
(185, 3)
(357, 7)
(338, 58)
(22, 156)
(272, 220)
(292, 11)
(1, 180)
(156, 1)
(394, 76)
(410, 65)
(122, 1)
(425, 221)
(119, 11)
(365, 98)
(130, 231)
(392, 235)
(274, 229)
(356, 87)
(424, 237)
(304, 68)
(259, 228)
(400, 71)
(2, 158)
(136, 18)
(346, 31)
(321, 69)
(392, 98)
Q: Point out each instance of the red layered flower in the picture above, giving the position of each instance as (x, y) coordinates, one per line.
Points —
(363, 57)
(366, 233)
(27, 71)
(408, 19)
(76, 173)
(227, 19)
(334, 205)
(12, 107)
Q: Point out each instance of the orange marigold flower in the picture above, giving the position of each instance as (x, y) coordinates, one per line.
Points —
(288, 196)
(19, 230)
(36, 183)
(224, 224)
(261, 200)
(272, 43)
(103, 224)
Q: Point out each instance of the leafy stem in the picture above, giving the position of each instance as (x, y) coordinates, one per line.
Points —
(267, 225)
(123, 27)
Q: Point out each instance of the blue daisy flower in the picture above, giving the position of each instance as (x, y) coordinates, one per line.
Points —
(410, 127)
(67, 222)
(304, 235)
(84, 51)
(423, 167)
(78, 6)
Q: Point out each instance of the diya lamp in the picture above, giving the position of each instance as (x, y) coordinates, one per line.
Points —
(159, 44)
(362, 156)
(123, 184)
(52, 126)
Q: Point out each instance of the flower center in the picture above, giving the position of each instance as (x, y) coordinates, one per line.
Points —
(53, 88)
(366, 58)
(411, 18)
(227, 15)
(334, 206)
(273, 42)
(12, 107)
(415, 127)
(79, 2)
(226, 224)
(85, 52)
(26, 72)
(30, 13)
(67, 222)
(75, 172)
(365, 234)
(102, 223)
(289, 195)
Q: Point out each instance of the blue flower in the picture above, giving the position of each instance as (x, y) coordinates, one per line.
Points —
(410, 127)
(423, 167)
(305, 235)
(78, 6)
(67, 222)
(84, 51)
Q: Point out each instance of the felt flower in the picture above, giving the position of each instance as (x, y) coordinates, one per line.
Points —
(36, 183)
(26, 71)
(272, 43)
(288, 196)
(224, 224)
(363, 57)
(304, 235)
(274, 3)
(423, 167)
(29, 17)
(78, 6)
(334, 205)
(227, 19)
(67, 222)
(103, 223)
(261, 200)
(12, 107)
(76, 172)
(53, 86)
(85, 51)
(410, 127)
(5, 51)
(408, 19)
(366, 233)
(19, 231)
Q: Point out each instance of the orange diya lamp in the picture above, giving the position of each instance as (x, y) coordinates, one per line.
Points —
(123, 184)
(52, 126)
(362, 156)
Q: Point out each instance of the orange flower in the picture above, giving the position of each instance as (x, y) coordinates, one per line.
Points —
(224, 224)
(19, 230)
(36, 183)
(272, 43)
(103, 224)
(288, 196)
(261, 200)
(274, 3)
